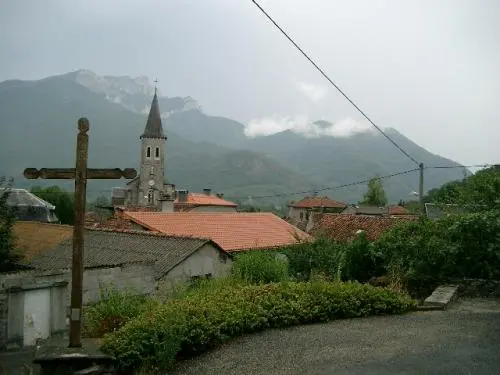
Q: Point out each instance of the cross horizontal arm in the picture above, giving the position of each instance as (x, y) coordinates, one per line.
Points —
(69, 173)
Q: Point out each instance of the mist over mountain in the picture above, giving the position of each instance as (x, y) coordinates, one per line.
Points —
(38, 120)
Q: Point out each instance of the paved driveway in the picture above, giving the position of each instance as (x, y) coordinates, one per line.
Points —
(465, 339)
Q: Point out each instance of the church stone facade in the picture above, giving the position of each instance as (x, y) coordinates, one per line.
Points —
(149, 188)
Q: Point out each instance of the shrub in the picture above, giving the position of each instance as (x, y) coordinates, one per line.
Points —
(259, 267)
(113, 310)
(323, 256)
(362, 261)
(425, 252)
(206, 318)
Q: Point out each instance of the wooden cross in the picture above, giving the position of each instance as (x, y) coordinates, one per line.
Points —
(80, 174)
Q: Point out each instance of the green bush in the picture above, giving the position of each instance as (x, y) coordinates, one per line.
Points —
(362, 260)
(424, 253)
(206, 318)
(113, 310)
(323, 256)
(357, 260)
(259, 267)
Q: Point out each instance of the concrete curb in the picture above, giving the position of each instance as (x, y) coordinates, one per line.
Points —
(440, 298)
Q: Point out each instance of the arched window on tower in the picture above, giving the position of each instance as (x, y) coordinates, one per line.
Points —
(150, 196)
(148, 152)
(157, 153)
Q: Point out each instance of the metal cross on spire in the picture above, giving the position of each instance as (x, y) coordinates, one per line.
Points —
(155, 81)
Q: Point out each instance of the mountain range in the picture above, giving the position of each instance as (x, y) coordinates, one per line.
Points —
(38, 129)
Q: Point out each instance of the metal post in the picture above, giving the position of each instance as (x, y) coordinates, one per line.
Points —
(421, 188)
(82, 145)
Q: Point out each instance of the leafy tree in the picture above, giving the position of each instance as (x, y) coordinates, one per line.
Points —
(63, 200)
(479, 192)
(375, 196)
(8, 257)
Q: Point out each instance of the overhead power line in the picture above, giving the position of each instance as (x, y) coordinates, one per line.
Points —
(459, 166)
(308, 191)
(333, 83)
(329, 187)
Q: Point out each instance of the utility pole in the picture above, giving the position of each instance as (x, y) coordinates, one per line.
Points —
(421, 188)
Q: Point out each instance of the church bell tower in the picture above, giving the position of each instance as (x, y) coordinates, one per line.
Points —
(152, 169)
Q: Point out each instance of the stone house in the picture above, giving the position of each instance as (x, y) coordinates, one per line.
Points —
(33, 303)
(300, 211)
(232, 231)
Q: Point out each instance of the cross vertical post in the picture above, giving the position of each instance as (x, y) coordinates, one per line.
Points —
(80, 174)
(82, 144)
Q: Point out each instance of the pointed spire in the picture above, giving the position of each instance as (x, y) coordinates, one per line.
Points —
(154, 128)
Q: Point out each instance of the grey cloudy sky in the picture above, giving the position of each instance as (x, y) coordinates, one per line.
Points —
(428, 68)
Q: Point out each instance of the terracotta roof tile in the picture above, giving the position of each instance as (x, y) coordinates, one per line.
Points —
(344, 227)
(199, 199)
(317, 202)
(231, 231)
(398, 210)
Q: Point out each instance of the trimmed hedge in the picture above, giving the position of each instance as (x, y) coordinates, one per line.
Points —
(200, 321)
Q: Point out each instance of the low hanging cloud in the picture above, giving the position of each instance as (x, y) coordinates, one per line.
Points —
(302, 125)
(314, 92)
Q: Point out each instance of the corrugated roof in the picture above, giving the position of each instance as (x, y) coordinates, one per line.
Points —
(342, 227)
(231, 231)
(318, 202)
(112, 248)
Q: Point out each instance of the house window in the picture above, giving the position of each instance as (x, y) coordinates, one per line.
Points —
(148, 152)
(157, 153)
(301, 216)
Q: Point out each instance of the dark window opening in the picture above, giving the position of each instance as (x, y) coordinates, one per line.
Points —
(157, 152)
(148, 152)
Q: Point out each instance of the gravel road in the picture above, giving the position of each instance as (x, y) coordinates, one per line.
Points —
(465, 339)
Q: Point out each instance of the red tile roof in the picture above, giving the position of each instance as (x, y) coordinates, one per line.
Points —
(316, 202)
(231, 231)
(199, 199)
(398, 210)
(344, 227)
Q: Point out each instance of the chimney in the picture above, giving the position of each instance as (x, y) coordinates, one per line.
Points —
(118, 196)
(220, 195)
(207, 191)
(183, 195)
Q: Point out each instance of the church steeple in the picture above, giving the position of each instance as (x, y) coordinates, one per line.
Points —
(154, 128)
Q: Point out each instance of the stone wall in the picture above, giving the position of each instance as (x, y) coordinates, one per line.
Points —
(11, 287)
(136, 278)
(206, 261)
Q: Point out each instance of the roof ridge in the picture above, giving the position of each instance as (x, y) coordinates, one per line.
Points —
(147, 233)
